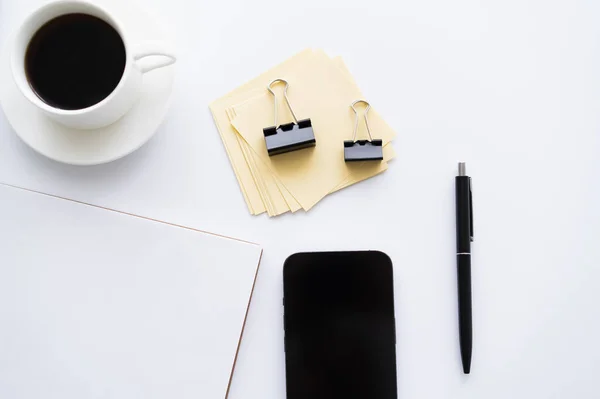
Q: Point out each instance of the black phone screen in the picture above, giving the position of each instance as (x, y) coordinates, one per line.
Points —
(340, 338)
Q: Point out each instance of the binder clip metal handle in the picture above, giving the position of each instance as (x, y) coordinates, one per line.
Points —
(291, 136)
(362, 150)
(356, 119)
(285, 97)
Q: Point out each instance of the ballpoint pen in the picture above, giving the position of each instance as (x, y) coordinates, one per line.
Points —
(464, 236)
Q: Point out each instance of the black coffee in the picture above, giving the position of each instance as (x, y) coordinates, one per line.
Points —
(75, 61)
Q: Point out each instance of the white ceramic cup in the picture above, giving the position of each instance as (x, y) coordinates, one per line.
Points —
(122, 98)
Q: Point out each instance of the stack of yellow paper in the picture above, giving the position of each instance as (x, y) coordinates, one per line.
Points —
(320, 88)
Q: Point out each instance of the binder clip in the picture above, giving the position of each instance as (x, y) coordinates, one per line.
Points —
(362, 150)
(290, 136)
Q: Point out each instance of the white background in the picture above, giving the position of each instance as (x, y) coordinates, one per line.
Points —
(512, 87)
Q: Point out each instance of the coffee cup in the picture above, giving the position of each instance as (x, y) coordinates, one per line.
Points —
(75, 62)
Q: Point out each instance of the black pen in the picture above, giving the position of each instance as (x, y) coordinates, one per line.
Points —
(464, 236)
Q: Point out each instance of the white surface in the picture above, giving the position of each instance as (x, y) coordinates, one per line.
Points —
(511, 87)
(91, 147)
(95, 303)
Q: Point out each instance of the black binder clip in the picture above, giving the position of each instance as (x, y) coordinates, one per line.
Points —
(290, 136)
(362, 150)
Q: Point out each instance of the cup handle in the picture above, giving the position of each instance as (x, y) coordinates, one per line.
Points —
(158, 49)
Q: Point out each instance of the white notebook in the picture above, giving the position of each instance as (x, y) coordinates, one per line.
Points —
(95, 303)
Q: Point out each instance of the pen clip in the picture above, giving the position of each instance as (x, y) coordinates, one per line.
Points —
(471, 208)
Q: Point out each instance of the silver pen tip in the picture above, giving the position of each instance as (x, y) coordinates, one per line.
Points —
(462, 169)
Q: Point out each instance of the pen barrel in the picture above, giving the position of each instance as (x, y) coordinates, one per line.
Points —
(463, 214)
(465, 316)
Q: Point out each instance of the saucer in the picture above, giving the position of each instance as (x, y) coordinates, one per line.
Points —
(93, 147)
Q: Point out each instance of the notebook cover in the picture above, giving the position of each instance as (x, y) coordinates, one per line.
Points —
(100, 303)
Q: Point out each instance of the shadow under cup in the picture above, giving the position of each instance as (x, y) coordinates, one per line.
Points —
(74, 61)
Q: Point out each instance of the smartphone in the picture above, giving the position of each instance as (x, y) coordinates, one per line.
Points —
(340, 335)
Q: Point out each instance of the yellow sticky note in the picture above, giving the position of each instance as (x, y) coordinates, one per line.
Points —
(262, 187)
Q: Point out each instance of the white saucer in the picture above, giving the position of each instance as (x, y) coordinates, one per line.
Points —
(93, 147)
